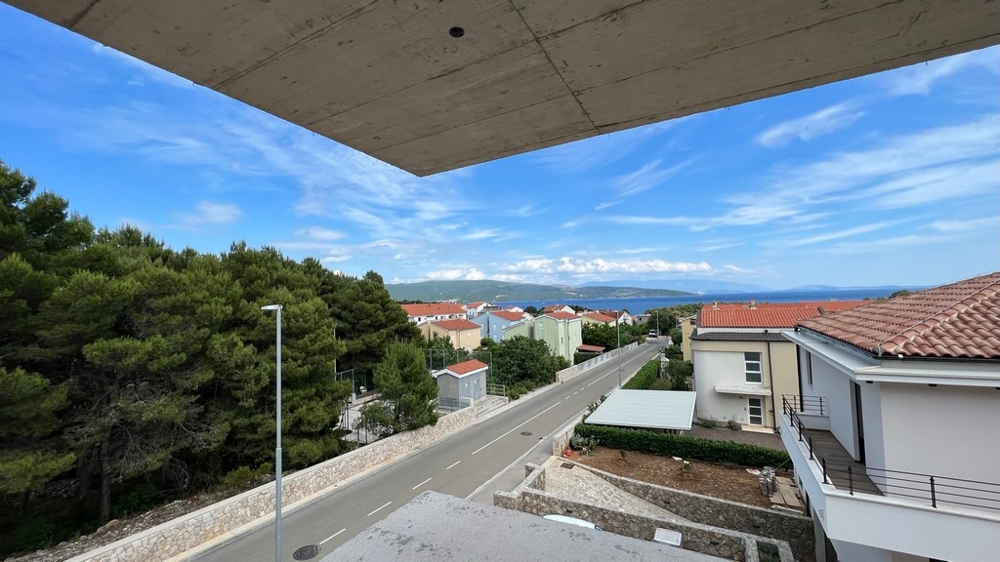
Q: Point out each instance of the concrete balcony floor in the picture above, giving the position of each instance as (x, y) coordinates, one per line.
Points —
(826, 446)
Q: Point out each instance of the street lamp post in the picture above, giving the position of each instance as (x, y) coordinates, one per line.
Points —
(277, 449)
(619, 330)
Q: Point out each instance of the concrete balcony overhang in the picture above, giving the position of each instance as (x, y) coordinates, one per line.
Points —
(891, 523)
(742, 389)
(434, 86)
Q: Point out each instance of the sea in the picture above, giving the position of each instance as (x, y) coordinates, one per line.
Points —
(642, 304)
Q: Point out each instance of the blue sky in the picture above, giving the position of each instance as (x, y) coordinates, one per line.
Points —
(888, 179)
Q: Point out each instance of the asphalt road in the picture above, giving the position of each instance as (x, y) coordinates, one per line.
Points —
(463, 465)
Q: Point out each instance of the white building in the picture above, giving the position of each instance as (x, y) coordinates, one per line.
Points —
(895, 435)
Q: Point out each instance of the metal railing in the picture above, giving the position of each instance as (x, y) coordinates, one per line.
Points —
(813, 405)
(494, 389)
(932, 489)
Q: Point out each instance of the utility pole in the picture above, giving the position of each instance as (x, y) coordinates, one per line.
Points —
(619, 330)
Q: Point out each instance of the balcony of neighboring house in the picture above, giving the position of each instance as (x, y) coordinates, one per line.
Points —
(933, 515)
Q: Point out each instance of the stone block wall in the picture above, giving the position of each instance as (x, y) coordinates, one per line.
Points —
(796, 530)
(194, 529)
(530, 497)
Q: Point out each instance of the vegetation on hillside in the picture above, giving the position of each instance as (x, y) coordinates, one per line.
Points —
(497, 291)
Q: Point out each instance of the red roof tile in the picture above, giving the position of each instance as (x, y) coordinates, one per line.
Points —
(782, 315)
(600, 317)
(552, 307)
(507, 315)
(562, 316)
(588, 347)
(467, 367)
(433, 309)
(960, 320)
(457, 324)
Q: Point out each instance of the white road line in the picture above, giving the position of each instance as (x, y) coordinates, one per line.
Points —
(568, 397)
(512, 430)
(332, 536)
(575, 393)
(453, 465)
(376, 511)
(419, 485)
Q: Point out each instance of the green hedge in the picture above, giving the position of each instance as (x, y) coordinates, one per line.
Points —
(683, 446)
(645, 377)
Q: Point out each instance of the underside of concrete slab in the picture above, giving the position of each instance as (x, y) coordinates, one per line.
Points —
(431, 86)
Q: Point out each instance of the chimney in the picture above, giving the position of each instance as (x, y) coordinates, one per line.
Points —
(753, 303)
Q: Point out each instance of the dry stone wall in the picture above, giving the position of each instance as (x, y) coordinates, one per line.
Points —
(530, 497)
(194, 529)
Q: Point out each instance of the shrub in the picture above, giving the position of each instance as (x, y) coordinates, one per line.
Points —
(645, 377)
(141, 497)
(32, 533)
(683, 446)
(661, 384)
(734, 425)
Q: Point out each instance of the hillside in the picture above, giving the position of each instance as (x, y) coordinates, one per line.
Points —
(507, 291)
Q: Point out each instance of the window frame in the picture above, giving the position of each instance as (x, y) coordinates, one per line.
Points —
(747, 361)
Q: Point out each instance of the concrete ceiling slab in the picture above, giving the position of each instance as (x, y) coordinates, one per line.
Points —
(387, 78)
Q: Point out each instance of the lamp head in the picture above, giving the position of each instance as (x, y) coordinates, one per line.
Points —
(271, 307)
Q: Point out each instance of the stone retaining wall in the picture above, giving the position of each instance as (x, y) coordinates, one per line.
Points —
(576, 370)
(530, 497)
(194, 529)
(796, 530)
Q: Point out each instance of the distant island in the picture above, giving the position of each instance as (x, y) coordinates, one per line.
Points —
(499, 291)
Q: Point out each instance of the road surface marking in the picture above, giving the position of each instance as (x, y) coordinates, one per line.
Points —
(567, 397)
(574, 394)
(332, 536)
(522, 423)
(453, 465)
(418, 485)
(376, 511)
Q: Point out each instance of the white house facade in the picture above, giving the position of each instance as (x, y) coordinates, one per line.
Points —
(894, 434)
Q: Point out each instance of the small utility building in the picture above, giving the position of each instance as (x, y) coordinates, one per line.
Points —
(461, 384)
(664, 410)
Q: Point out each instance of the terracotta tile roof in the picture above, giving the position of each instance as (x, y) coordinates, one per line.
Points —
(467, 367)
(457, 324)
(960, 320)
(507, 315)
(552, 308)
(782, 315)
(600, 317)
(433, 309)
(476, 304)
(588, 347)
(562, 316)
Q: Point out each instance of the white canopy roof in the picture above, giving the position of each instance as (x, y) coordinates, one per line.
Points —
(647, 409)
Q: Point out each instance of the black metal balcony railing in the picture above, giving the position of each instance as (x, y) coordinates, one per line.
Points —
(863, 479)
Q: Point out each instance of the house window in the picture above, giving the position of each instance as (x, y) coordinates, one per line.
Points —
(809, 368)
(751, 362)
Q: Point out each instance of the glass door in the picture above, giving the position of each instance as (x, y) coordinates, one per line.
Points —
(755, 407)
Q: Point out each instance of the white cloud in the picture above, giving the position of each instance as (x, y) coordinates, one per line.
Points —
(466, 274)
(822, 122)
(208, 213)
(320, 233)
(973, 225)
(576, 266)
(483, 234)
(837, 235)
(920, 78)
(648, 176)
(886, 244)
(722, 246)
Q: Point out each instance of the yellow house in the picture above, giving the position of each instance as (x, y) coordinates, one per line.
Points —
(464, 334)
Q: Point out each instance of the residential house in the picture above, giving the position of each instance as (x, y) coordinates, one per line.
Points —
(894, 434)
(474, 309)
(420, 313)
(513, 308)
(742, 363)
(558, 308)
(493, 324)
(561, 330)
(597, 318)
(622, 315)
(461, 384)
(464, 334)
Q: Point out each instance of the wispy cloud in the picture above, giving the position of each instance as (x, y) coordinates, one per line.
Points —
(648, 176)
(920, 79)
(971, 225)
(822, 122)
(320, 233)
(717, 247)
(886, 244)
(573, 266)
(837, 235)
(207, 214)
(601, 151)
(147, 70)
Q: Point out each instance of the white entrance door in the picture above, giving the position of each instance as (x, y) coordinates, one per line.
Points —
(755, 407)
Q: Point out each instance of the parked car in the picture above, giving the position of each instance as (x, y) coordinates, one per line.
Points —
(573, 521)
(653, 334)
